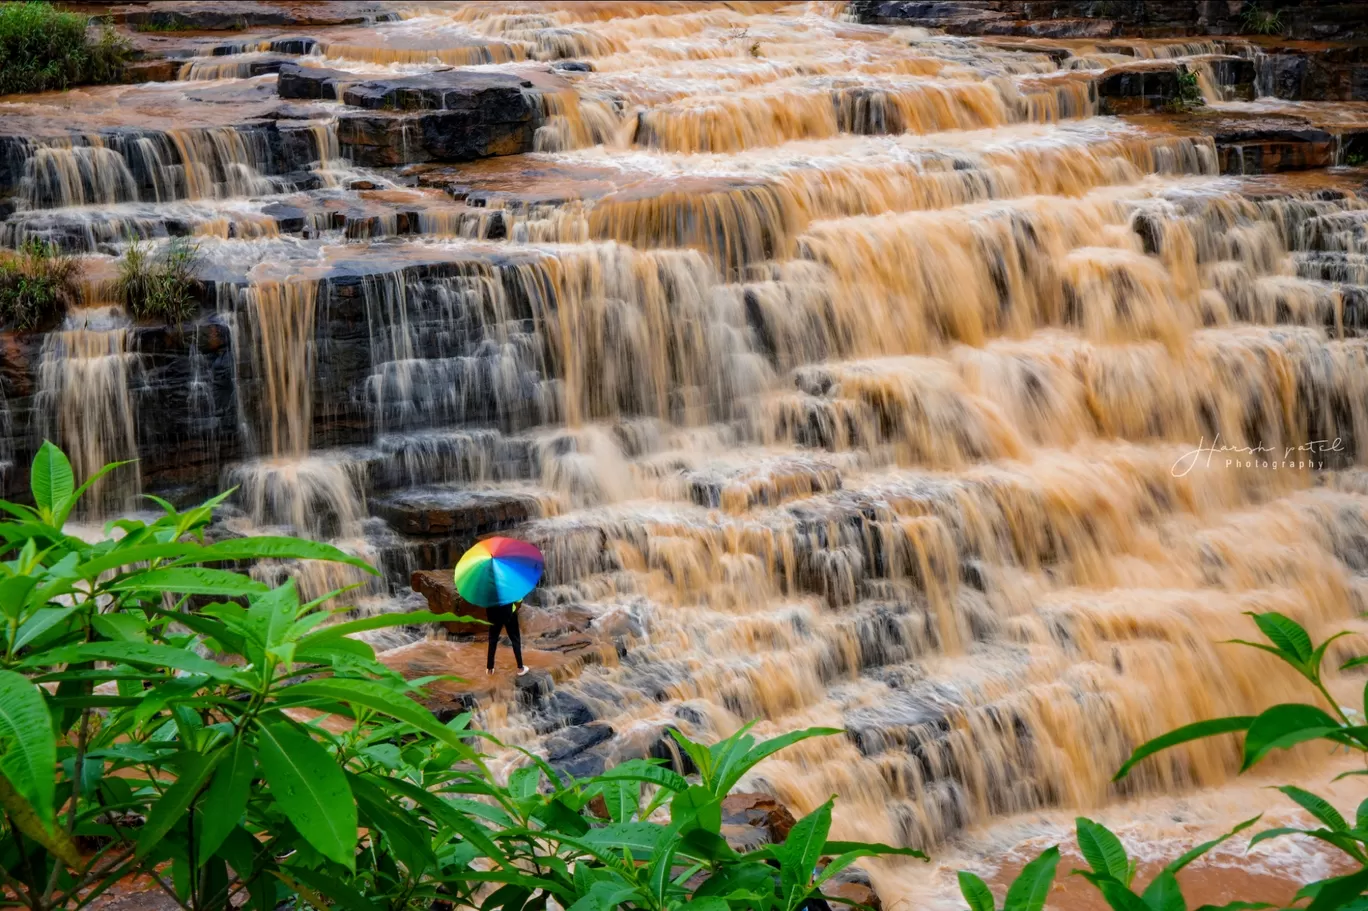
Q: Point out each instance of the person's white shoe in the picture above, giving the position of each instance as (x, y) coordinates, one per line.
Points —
(522, 671)
(489, 672)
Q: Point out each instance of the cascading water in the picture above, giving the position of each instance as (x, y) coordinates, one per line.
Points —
(846, 375)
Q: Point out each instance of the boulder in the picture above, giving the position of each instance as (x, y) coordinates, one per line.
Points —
(431, 511)
(497, 96)
(750, 820)
(572, 741)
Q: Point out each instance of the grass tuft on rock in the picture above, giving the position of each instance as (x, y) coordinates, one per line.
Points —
(37, 285)
(42, 48)
(160, 286)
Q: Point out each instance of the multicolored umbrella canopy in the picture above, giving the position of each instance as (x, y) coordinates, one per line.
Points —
(498, 571)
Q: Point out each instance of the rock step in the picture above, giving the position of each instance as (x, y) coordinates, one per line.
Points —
(449, 115)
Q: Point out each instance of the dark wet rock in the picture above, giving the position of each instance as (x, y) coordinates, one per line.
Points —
(1139, 87)
(1267, 149)
(455, 511)
(1345, 21)
(750, 820)
(853, 887)
(534, 687)
(238, 15)
(561, 709)
(572, 741)
(573, 66)
(1315, 71)
(312, 83)
(1236, 75)
(498, 96)
(152, 70)
(451, 115)
(297, 45)
(288, 219)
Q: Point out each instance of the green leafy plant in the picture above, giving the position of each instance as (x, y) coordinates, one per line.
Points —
(1189, 92)
(37, 285)
(160, 286)
(1256, 20)
(164, 716)
(1280, 727)
(44, 48)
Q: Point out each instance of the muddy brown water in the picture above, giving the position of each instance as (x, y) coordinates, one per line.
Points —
(849, 375)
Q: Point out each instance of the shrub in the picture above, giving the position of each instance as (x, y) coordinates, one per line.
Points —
(1278, 728)
(1260, 21)
(159, 286)
(44, 48)
(1189, 92)
(143, 732)
(37, 285)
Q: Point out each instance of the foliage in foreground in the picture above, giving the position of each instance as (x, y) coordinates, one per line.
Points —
(159, 285)
(162, 715)
(37, 285)
(44, 48)
(1278, 728)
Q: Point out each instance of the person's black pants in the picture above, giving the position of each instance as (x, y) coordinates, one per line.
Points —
(503, 618)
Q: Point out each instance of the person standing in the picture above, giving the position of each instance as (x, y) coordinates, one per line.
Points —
(504, 617)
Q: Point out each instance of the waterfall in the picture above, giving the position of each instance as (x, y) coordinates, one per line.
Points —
(846, 375)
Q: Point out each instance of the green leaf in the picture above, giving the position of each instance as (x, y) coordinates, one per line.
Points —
(1117, 896)
(226, 800)
(1284, 726)
(523, 782)
(378, 621)
(1197, 731)
(63, 512)
(270, 547)
(409, 838)
(382, 699)
(191, 580)
(732, 773)
(641, 837)
(622, 798)
(41, 830)
(445, 814)
(345, 897)
(1102, 850)
(1189, 856)
(271, 614)
(1287, 636)
(122, 556)
(42, 620)
(50, 478)
(697, 807)
(1317, 806)
(799, 853)
(975, 892)
(645, 770)
(160, 656)
(1164, 894)
(14, 593)
(28, 746)
(172, 806)
(1336, 893)
(1028, 891)
(311, 790)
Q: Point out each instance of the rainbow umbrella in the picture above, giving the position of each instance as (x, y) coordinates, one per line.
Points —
(498, 571)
